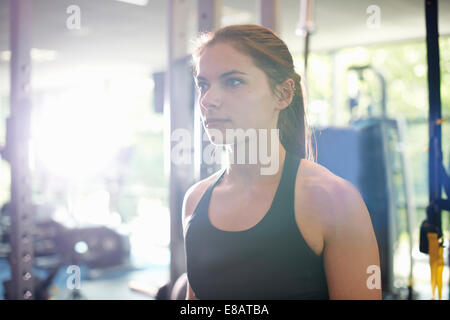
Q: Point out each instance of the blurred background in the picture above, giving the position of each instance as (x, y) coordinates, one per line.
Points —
(100, 183)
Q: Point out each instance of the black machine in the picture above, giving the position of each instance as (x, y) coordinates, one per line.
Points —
(363, 153)
(56, 246)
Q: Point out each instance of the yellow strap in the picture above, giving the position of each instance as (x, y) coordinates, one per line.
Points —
(435, 251)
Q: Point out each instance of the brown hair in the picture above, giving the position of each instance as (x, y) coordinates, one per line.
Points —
(272, 56)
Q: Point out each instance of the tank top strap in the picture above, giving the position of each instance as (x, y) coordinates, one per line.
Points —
(203, 204)
(218, 179)
(285, 195)
(291, 169)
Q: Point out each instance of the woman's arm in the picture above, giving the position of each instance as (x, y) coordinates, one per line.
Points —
(189, 293)
(190, 201)
(351, 257)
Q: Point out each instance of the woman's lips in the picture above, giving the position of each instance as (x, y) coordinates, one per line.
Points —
(214, 122)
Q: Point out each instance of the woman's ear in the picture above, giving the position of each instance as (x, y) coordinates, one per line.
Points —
(285, 93)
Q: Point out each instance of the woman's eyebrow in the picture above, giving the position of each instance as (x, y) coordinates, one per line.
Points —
(223, 75)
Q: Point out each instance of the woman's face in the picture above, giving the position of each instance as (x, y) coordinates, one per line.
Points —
(233, 92)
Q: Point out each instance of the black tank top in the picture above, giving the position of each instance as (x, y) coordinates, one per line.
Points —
(268, 261)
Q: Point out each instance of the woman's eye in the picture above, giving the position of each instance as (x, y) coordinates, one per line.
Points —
(201, 86)
(233, 82)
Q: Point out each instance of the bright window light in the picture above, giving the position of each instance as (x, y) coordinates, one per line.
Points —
(37, 55)
(76, 134)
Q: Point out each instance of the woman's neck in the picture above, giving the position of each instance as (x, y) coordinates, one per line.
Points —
(255, 164)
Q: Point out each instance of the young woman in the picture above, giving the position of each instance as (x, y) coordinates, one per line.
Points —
(298, 233)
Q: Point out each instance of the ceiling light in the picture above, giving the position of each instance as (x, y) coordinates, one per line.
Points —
(142, 3)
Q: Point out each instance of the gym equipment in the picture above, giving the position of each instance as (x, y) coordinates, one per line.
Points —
(431, 240)
(16, 152)
(55, 246)
(363, 153)
(358, 154)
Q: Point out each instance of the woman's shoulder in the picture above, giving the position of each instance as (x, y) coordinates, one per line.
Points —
(313, 176)
(333, 196)
(320, 186)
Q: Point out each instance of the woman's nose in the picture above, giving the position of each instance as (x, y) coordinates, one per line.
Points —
(211, 98)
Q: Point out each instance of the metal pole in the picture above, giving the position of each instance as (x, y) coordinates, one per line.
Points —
(209, 13)
(434, 99)
(304, 28)
(402, 132)
(334, 88)
(178, 113)
(18, 135)
(269, 12)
